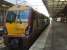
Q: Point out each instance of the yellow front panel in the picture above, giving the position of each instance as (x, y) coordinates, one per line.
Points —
(16, 29)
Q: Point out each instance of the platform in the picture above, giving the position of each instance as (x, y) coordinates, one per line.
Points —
(41, 41)
(53, 38)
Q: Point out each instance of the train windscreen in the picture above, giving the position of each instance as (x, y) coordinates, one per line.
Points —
(11, 17)
(24, 15)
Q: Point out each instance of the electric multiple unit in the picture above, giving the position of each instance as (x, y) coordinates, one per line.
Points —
(22, 23)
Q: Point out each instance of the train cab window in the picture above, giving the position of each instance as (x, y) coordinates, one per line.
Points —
(11, 17)
(23, 16)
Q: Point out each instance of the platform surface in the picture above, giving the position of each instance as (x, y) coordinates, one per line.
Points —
(54, 39)
(40, 42)
(57, 39)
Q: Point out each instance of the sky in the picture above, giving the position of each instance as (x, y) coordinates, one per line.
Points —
(35, 4)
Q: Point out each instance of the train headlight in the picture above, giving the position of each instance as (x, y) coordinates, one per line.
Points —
(1, 29)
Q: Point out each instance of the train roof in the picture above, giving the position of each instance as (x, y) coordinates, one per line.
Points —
(19, 7)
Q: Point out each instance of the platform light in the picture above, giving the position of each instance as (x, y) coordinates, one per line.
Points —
(62, 0)
(51, 20)
(4, 5)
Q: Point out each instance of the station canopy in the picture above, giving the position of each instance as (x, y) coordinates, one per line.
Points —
(5, 4)
(55, 6)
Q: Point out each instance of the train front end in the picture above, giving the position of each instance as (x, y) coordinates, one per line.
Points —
(17, 27)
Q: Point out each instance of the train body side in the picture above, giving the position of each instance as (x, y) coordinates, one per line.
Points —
(38, 22)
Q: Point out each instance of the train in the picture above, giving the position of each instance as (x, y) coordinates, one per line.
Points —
(24, 26)
(39, 23)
